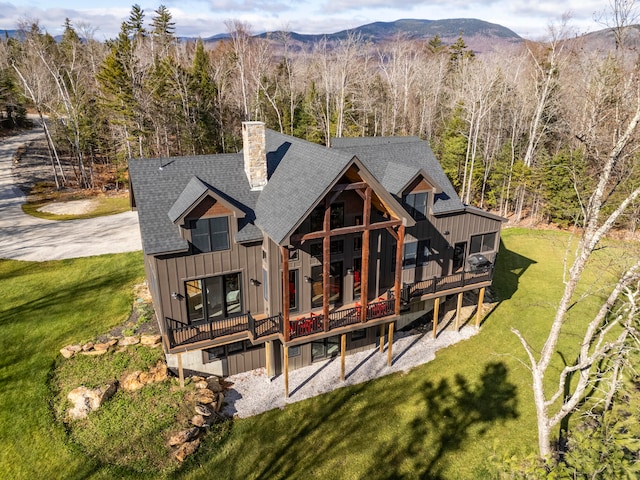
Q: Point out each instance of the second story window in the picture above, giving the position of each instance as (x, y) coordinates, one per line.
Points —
(210, 234)
(416, 203)
(416, 254)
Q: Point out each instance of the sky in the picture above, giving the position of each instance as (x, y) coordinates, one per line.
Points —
(528, 18)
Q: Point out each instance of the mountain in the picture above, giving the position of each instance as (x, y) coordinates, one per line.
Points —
(477, 34)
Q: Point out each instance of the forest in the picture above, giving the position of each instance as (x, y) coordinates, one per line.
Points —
(519, 130)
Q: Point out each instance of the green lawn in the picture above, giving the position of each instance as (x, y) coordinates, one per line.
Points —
(442, 420)
(44, 307)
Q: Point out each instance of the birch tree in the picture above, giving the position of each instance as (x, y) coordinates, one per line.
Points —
(606, 331)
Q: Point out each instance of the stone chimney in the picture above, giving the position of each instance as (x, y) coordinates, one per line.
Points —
(255, 154)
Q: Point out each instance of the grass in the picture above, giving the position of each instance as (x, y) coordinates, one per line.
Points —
(446, 419)
(105, 206)
(44, 307)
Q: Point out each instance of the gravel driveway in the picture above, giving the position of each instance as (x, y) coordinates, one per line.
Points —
(23, 237)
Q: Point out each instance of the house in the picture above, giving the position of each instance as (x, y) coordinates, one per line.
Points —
(291, 252)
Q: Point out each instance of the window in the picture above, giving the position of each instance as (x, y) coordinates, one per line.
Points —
(215, 353)
(213, 297)
(416, 203)
(325, 348)
(358, 335)
(416, 254)
(458, 256)
(235, 348)
(293, 290)
(316, 286)
(315, 249)
(357, 243)
(294, 351)
(357, 272)
(336, 217)
(265, 284)
(293, 254)
(483, 243)
(337, 247)
(210, 234)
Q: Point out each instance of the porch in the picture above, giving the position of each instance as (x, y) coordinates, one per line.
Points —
(306, 327)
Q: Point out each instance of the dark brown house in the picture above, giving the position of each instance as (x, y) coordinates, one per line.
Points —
(291, 252)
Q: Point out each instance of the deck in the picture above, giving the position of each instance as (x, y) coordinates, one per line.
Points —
(311, 325)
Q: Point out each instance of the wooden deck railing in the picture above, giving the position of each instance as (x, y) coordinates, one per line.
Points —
(179, 333)
(440, 284)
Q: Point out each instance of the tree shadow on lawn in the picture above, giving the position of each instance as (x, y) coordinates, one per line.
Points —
(510, 266)
(388, 428)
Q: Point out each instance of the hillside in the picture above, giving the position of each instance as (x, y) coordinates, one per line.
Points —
(477, 34)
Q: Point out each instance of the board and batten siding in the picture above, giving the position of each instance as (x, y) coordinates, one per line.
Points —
(174, 270)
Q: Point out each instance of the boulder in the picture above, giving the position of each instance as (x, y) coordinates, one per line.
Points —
(203, 410)
(183, 436)
(86, 400)
(93, 352)
(131, 382)
(127, 341)
(145, 378)
(70, 350)
(204, 395)
(150, 340)
(213, 384)
(87, 346)
(201, 384)
(198, 421)
(186, 449)
(219, 401)
(196, 379)
(159, 372)
(101, 346)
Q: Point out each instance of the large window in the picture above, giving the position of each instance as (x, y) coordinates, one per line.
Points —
(293, 290)
(213, 297)
(416, 203)
(210, 234)
(336, 220)
(483, 243)
(416, 254)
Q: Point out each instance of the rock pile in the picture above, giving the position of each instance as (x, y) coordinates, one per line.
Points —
(207, 402)
(91, 348)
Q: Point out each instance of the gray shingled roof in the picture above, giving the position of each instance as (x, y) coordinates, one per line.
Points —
(407, 155)
(158, 190)
(190, 195)
(304, 172)
(300, 173)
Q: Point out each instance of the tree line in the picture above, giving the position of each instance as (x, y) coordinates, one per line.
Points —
(515, 129)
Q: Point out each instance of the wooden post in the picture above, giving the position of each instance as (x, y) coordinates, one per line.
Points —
(436, 307)
(458, 309)
(180, 370)
(286, 371)
(326, 263)
(268, 359)
(382, 338)
(398, 279)
(364, 277)
(284, 252)
(343, 348)
(389, 350)
(480, 302)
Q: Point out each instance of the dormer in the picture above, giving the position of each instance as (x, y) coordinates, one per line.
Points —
(204, 217)
(418, 194)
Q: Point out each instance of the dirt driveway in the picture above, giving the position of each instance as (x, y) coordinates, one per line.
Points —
(23, 237)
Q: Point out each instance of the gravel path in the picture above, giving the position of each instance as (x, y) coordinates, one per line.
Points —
(23, 237)
(253, 392)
